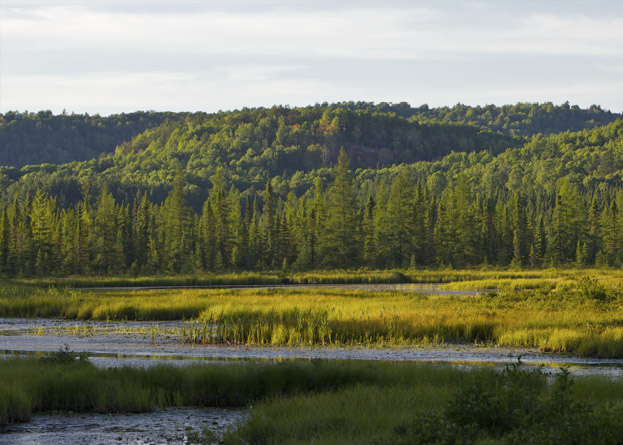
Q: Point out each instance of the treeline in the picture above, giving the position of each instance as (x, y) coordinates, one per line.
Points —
(524, 119)
(521, 119)
(38, 138)
(401, 224)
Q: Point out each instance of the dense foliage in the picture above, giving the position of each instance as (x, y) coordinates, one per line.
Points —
(524, 119)
(265, 189)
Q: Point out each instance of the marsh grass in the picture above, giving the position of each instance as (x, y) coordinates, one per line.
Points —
(332, 401)
(573, 311)
(66, 383)
(361, 276)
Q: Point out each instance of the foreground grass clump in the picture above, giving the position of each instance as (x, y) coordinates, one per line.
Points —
(65, 382)
(480, 406)
(334, 402)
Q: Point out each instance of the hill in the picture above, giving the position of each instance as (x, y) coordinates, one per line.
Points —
(248, 147)
(260, 189)
(38, 138)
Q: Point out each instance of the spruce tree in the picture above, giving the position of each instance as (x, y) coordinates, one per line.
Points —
(400, 212)
(339, 239)
(177, 244)
(4, 241)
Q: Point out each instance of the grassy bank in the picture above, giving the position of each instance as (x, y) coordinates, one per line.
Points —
(332, 402)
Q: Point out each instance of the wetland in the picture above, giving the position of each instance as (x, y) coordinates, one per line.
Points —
(175, 351)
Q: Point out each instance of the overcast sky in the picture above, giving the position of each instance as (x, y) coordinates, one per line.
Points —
(121, 56)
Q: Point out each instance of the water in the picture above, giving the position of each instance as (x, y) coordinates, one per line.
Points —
(170, 426)
(113, 344)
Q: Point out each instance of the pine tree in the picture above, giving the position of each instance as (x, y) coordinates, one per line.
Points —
(612, 227)
(41, 229)
(316, 224)
(19, 239)
(85, 240)
(71, 262)
(143, 217)
(382, 255)
(462, 213)
(594, 229)
(222, 226)
(420, 241)
(369, 247)
(108, 254)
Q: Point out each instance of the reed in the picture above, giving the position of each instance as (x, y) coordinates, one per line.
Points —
(66, 382)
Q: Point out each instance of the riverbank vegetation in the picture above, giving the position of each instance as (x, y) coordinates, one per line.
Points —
(574, 311)
(333, 402)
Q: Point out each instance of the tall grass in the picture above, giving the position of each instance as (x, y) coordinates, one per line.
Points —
(63, 383)
(480, 406)
(332, 401)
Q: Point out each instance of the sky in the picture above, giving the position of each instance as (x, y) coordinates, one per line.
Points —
(121, 56)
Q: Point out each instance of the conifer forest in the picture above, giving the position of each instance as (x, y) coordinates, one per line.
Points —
(330, 186)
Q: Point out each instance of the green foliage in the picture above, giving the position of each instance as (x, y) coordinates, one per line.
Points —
(263, 188)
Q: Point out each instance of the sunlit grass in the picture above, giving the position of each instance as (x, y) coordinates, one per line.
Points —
(575, 311)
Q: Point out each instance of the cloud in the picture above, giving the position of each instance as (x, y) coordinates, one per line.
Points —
(114, 55)
(359, 33)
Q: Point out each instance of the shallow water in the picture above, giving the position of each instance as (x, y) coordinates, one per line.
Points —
(113, 344)
(171, 426)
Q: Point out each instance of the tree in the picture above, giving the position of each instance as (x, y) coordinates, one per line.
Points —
(108, 250)
(270, 237)
(521, 232)
(177, 234)
(612, 236)
(339, 239)
(401, 218)
(4, 241)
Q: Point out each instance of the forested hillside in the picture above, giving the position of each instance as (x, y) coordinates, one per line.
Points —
(37, 138)
(232, 205)
(248, 147)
